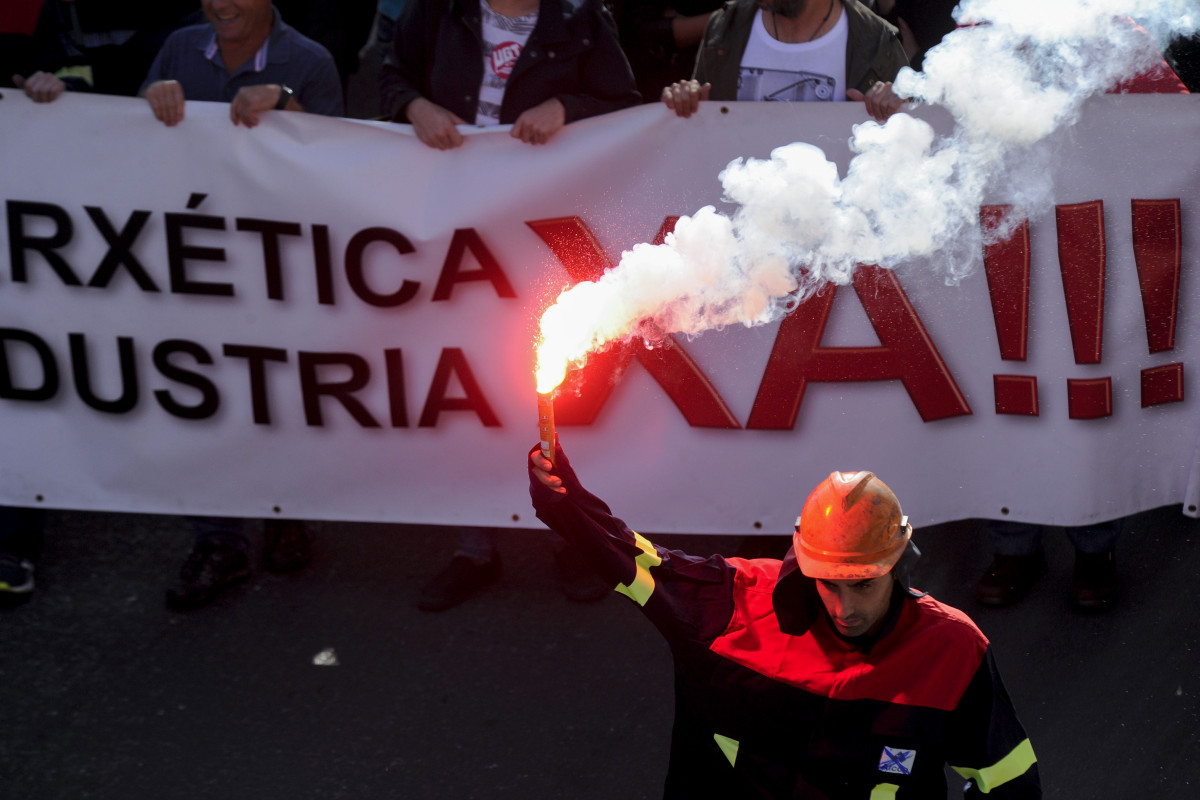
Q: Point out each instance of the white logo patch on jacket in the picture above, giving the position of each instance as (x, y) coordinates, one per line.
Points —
(897, 761)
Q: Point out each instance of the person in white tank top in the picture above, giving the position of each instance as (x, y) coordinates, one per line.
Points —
(796, 51)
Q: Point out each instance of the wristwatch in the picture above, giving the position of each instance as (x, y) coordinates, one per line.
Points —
(285, 94)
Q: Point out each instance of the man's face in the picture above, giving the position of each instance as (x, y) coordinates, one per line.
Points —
(789, 9)
(857, 607)
(236, 21)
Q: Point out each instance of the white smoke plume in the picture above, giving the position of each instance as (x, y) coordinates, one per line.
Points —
(1014, 72)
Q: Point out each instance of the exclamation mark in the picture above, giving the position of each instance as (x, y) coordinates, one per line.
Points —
(1081, 256)
(1006, 263)
(1158, 251)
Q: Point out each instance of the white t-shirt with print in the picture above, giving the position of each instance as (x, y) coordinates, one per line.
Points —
(774, 70)
(503, 40)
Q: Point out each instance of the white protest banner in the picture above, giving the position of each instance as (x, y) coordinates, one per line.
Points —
(324, 319)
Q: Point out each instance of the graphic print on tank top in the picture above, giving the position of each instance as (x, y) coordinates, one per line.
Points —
(771, 70)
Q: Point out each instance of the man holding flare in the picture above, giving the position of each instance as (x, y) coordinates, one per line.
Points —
(824, 675)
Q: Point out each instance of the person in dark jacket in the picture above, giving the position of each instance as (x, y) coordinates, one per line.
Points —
(823, 675)
(535, 65)
(37, 55)
(532, 64)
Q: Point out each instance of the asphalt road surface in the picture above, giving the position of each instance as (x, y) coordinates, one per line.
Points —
(518, 693)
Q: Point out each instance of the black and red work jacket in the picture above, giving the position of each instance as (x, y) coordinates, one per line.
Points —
(771, 703)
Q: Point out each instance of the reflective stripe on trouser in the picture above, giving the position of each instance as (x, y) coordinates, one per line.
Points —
(642, 585)
(884, 791)
(1011, 766)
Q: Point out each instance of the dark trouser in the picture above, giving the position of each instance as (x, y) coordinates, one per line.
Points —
(226, 530)
(21, 531)
(1023, 538)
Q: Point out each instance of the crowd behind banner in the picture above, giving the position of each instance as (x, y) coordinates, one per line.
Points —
(278, 321)
(108, 48)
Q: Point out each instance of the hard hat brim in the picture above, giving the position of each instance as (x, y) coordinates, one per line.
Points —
(849, 566)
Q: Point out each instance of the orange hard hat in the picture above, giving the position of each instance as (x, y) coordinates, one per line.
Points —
(850, 528)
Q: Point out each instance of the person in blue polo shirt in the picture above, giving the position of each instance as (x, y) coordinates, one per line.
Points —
(247, 56)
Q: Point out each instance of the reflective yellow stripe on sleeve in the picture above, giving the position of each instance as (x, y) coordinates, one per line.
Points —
(81, 71)
(1011, 766)
(642, 585)
(728, 746)
(884, 791)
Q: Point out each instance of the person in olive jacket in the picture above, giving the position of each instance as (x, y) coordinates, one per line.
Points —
(532, 64)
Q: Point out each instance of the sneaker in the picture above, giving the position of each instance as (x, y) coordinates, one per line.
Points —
(211, 568)
(1094, 584)
(577, 579)
(1010, 578)
(288, 545)
(16, 574)
(461, 578)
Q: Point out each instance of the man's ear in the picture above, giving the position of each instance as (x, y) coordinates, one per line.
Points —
(902, 572)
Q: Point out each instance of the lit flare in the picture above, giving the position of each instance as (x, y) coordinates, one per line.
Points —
(546, 425)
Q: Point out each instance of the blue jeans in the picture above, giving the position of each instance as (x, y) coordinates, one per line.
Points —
(225, 530)
(1023, 538)
(478, 544)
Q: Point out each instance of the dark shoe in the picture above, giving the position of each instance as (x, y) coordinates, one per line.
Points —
(458, 580)
(211, 568)
(288, 545)
(576, 577)
(16, 575)
(1094, 585)
(1010, 578)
